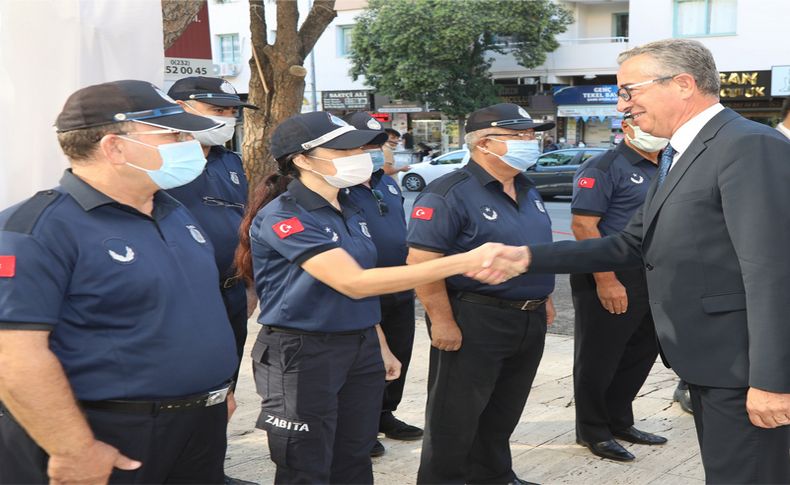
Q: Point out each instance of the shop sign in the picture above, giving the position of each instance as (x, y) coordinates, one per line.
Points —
(346, 100)
(585, 112)
(780, 81)
(516, 93)
(745, 85)
(581, 95)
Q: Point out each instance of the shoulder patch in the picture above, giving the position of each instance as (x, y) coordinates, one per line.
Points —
(24, 219)
(443, 185)
(288, 227)
(603, 161)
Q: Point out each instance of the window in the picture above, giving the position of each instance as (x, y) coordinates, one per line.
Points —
(589, 154)
(620, 25)
(451, 158)
(556, 159)
(344, 40)
(694, 18)
(229, 50)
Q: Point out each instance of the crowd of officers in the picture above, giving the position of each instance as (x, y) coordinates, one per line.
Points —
(125, 293)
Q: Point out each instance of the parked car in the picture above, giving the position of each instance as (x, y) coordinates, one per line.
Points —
(552, 174)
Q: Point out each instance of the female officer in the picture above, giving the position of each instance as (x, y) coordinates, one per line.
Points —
(318, 358)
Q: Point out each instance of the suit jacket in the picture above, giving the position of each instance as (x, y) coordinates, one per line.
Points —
(715, 241)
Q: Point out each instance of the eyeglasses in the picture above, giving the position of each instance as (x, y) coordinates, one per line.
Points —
(180, 135)
(382, 206)
(625, 91)
(219, 202)
(525, 136)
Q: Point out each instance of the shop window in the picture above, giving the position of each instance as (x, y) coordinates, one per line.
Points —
(698, 18)
(344, 40)
(229, 49)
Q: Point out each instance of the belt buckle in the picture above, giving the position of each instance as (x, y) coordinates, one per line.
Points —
(217, 397)
(526, 304)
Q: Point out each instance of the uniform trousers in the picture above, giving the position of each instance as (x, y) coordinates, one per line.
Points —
(185, 446)
(613, 355)
(397, 323)
(476, 395)
(321, 403)
(733, 449)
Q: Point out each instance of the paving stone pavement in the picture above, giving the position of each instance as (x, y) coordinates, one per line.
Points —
(543, 444)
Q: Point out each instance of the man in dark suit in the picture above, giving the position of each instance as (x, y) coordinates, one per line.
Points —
(713, 235)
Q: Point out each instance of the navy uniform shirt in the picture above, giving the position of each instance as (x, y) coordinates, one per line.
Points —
(217, 199)
(467, 208)
(131, 301)
(613, 186)
(291, 229)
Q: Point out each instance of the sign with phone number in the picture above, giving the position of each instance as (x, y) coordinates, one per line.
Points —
(179, 67)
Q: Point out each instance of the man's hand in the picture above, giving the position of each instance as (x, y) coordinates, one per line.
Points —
(231, 400)
(446, 336)
(392, 365)
(612, 295)
(92, 465)
(551, 312)
(500, 263)
(768, 409)
(252, 301)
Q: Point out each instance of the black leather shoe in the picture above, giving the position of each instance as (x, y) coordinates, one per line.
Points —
(378, 450)
(683, 397)
(396, 429)
(609, 449)
(633, 435)
(518, 481)
(237, 481)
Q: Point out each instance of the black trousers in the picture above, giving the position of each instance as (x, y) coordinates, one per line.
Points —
(174, 447)
(476, 395)
(613, 355)
(235, 300)
(397, 323)
(321, 404)
(733, 449)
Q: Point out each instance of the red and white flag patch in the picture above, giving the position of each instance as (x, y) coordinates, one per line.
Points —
(288, 227)
(586, 183)
(424, 213)
(7, 266)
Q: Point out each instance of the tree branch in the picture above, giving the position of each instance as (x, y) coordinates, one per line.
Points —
(287, 20)
(176, 17)
(321, 15)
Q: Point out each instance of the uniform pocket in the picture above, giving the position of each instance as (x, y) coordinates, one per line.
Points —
(260, 352)
(730, 302)
(295, 443)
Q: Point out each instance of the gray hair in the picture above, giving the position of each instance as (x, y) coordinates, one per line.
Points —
(473, 137)
(678, 56)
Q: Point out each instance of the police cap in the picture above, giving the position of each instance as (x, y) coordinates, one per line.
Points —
(363, 121)
(128, 100)
(212, 90)
(306, 131)
(504, 115)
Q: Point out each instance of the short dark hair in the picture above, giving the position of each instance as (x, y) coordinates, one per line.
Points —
(785, 108)
(392, 132)
(80, 145)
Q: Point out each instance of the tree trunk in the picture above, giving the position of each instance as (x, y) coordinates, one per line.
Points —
(461, 133)
(277, 77)
(176, 17)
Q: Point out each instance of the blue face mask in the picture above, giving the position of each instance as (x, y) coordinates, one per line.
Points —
(182, 162)
(378, 159)
(521, 154)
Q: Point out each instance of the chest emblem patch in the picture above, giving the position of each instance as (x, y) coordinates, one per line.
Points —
(196, 234)
(288, 227)
(637, 179)
(540, 206)
(120, 250)
(364, 227)
(489, 213)
(393, 190)
(329, 230)
(234, 177)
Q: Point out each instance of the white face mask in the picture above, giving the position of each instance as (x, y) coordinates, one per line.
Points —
(217, 136)
(351, 170)
(645, 141)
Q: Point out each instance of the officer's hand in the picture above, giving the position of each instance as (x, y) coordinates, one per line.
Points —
(92, 465)
(446, 336)
(494, 263)
(613, 296)
(768, 409)
(252, 301)
(231, 400)
(551, 312)
(392, 365)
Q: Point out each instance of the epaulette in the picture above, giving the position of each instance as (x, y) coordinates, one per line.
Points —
(444, 184)
(603, 161)
(25, 217)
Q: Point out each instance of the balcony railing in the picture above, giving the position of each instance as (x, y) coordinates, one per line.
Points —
(594, 40)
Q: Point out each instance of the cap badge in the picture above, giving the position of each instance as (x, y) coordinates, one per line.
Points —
(234, 177)
(364, 227)
(523, 112)
(373, 124)
(637, 179)
(489, 213)
(337, 121)
(226, 87)
(196, 234)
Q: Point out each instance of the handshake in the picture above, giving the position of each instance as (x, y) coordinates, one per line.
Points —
(495, 263)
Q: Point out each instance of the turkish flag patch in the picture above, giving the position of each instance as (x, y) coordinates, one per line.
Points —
(288, 227)
(7, 266)
(424, 213)
(586, 183)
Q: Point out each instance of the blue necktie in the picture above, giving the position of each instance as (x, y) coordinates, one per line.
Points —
(665, 163)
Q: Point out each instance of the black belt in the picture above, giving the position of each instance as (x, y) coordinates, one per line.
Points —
(523, 305)
(229, 282)
(294, 331)
(155, 407)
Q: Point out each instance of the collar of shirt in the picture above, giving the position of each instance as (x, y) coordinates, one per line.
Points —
(311, 201)
(783, 129)
(375, 177)
(89, 198)
(683, 137)
(520, 180)
(629, 153)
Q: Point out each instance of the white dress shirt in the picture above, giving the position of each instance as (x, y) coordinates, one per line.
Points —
(682, 138)
(783, 129)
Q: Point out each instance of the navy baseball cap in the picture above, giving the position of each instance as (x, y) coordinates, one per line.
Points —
(306, 131)
(212, 90)
(504, 115)
(127, 100)
(363, 121)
